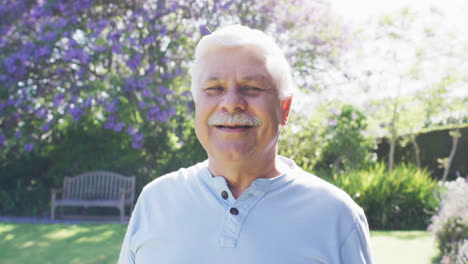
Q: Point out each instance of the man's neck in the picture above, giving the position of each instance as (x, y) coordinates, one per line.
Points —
(240, 174)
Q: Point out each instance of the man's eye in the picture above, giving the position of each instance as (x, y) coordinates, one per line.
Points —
(214, 89)
(252, 89)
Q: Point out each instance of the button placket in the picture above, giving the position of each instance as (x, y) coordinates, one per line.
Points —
(235, 216)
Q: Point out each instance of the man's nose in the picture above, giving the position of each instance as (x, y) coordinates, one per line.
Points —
(233, 100)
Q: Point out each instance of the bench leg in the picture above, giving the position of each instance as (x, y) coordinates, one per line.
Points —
(52, 212)
(122, 212)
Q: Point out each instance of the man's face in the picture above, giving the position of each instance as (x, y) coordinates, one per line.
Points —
(238, 113)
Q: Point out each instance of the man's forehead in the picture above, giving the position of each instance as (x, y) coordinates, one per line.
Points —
(247, 76)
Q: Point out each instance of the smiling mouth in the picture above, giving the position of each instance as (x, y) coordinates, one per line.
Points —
(233, 126)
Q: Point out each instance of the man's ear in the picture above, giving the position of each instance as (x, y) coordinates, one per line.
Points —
(286, 107)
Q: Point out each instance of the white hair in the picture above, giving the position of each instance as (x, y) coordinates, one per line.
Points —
(241, 36)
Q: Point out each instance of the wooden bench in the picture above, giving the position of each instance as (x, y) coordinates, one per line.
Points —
(99, 188)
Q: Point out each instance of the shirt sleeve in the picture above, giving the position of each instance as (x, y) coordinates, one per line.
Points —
(356, 247)
(127, 254)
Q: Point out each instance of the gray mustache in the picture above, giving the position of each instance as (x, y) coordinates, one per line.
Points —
(223, 119)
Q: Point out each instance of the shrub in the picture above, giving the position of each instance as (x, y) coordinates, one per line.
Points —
(397, 199)
(450, 224)
(345, 146)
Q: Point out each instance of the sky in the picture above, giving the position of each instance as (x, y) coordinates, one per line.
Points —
(357, 14)
(355, 10)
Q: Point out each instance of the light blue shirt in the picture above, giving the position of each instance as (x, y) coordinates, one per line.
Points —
(184, 217)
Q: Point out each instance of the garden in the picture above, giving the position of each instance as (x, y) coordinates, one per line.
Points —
(380, 111)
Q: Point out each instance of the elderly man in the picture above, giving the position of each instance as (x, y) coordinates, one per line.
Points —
(245, 204)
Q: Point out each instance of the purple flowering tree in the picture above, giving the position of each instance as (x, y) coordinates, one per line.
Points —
(122, 64)
(102, 84)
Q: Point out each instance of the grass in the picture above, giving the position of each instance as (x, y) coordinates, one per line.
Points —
(60, 243)
(415, 247)
(100, 243)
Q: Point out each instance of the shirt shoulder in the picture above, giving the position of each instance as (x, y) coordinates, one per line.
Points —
(175, 180)
(324, 193)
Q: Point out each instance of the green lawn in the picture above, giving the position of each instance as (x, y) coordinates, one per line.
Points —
(415, 247)
(100, 243)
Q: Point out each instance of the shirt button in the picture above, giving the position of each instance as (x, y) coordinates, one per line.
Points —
(234, 211)
(224, 194)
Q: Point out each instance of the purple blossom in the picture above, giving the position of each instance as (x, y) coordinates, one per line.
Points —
(81, 71)
(112, 106)
(132, 41)
(49, 36)
(2, 106)
(147, 92)
(118, 127)
(3, 141)
(101, 101)
(111, 122)
(151, 69)
(163, 30)
(99, 26)
(18, 134)
(131, 131)
(60, 23)
(78, 54)
(172, 111)
(187, 94)
(112, 118)
(109, 125)
(42, 52)
(142, 104)
(163, 116)
(164, 90)
(72, 42)
(11, 65)
(174, 6)
(60, 71)
(137, 141)
(88, 101)
(332, 123)
(82, 5)
(114, 36)
(135, 61)
(143, 82)
(59, 99)
(130, 85)
(100, 48)
(153, 113)
(117, 48)
(41, 113)
(46, 126)
(149, 39)
(28, 147)
(75, 111)
(179, 71)
(137, 144)
(204, 30)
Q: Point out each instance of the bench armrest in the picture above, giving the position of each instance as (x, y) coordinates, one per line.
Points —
(55, 191)
(124, 192)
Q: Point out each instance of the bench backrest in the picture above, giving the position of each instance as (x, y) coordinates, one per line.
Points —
(98, 185)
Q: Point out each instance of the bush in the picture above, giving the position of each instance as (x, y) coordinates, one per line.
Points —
(392, 200)
(450, 224)
(345, 146)
(26, 177)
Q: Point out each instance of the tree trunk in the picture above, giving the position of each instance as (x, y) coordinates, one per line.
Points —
(455, 136)
(416, 151)
(391, 155)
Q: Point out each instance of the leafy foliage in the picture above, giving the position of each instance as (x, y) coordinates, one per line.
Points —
(346, 148)
(101, 85)
(450, 224)
(396, 200)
